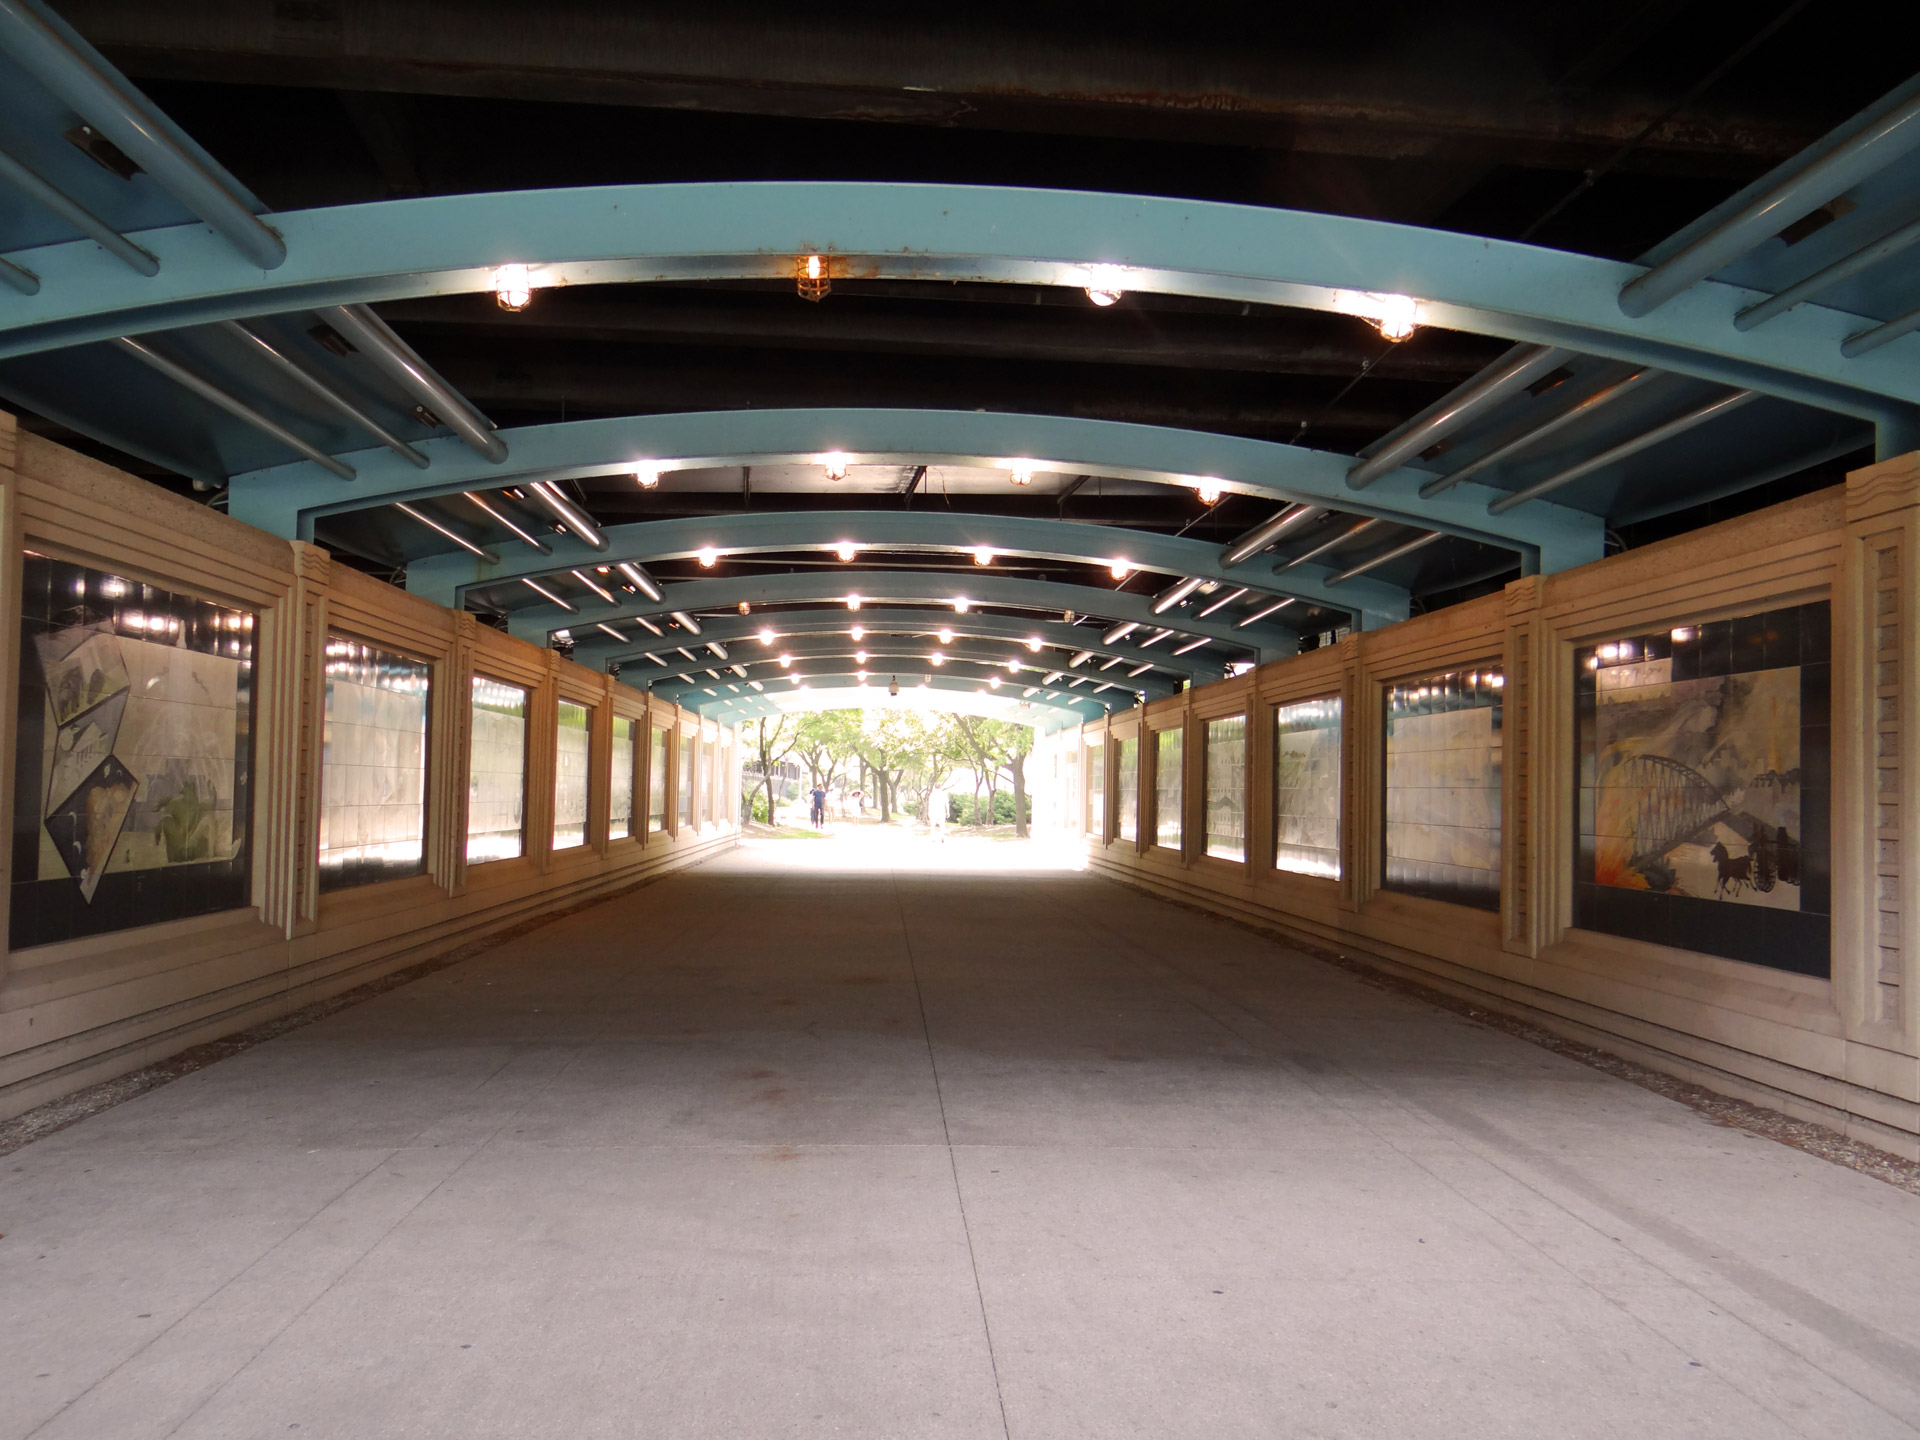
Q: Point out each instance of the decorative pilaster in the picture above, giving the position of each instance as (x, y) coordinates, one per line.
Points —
(1529, 808)
(290, 660)
(1877, 805)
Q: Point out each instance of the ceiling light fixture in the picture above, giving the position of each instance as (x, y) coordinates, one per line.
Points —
(707, 558)
(946, 635)
(1034, 642)
(1120, 569)
(960, 604)
(811, 278)
(1210, 492)
(853, 602)
(859, 633)
(983, 555)
(767, 636)
(647, 476)
(937, 658)
(513, 287)
(835, 464)
(846, 550)
(1103, 284)
(786, 662)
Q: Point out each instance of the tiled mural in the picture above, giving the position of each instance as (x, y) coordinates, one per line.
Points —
(1306, 780)
(1167, 787)
(1702, 800)
(133, 755)
(374, 765)
(497, 773)
(1126, 797)
(572, 747)
(1227, 788)
(1443, 787)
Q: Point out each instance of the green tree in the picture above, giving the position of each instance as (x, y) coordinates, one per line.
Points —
(774, 745)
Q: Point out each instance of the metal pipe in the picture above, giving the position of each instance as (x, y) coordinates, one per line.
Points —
(1139, 670)
(1272, 609)
(239, 409)
(1724, 405)
(655, 659)
(594, 585)
(685, 621)
(287, 366)
(433, 524)
(540, 589)
(373, 337)
(1325, 545)
(1154, 639)
(717, 648)
(78, 216)
(611, 631)
(642, 581)
(648, 626)
(1844, 269)
(46, 48)
(1264, 534)
(1176, 592)
(1876, 145)
(1074, 662)
(501, 518)
(1193, 645)
(1879, 335)
(19, 277)
(1222, 602)
(1405, 547)
(567, 513)
(1520, 443)
(1116, 660)
(1481, 393)
(1119, 632)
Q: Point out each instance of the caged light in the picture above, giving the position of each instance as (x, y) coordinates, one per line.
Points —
(1210, 492)
(846, 550)
(707, 558)
(1104, 287)
(1120, 569)
(946, 635)
(834, 462)
(859, 633)
(983, 555)
(513, 287)
(646, 476)
(812, 279)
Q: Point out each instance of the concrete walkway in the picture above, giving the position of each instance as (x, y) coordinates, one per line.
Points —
(830, 1139)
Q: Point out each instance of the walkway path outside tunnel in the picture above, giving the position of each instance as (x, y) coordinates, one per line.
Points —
(899, 1141)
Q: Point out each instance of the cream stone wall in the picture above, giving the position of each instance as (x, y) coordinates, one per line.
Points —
(80, 1011)
(1845, 1050)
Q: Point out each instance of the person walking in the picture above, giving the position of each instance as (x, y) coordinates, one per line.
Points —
(818, 814)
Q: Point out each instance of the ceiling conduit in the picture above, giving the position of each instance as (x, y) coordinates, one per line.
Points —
(1522, 443)
(1520, 368)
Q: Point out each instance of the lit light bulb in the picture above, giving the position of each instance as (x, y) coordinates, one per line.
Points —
(946, 635)
(1021, 476)
(1104, 287)
(1398, 317)
(1034, 643)
(767, 636)
(853, 602)
(1210, 492)
(813, 267)
(1120, 569)
(960, 604)
(937, 658)
(846, 550)
(513, 287)
(994, 681)
(707, 557)
(647, 476)
(983, 555)
(860, 656)
(835, 463)
(859, 633)
(786, 662)
(1013, 667)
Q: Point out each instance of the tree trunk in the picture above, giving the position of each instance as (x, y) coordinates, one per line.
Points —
(886, 805)
(1019, 767)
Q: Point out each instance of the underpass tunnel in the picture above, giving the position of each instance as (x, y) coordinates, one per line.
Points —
(783, 725)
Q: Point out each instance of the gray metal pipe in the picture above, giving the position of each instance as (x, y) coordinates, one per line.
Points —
(77, 215)
(287, 366)
(1119, 632)
(374, 338)
(1844, 269)
(1482, 392)
(1263, 535)
(239, 409)
(1405, 547)
(1155, 638)
(642, 581)
(457, 538)
(1522, 443)
(1726, 404)
(1176, 592)
(1879, 335)
(1223, 602)
(1265, 611)
(45, 47)
(1325, 545)
(567, 513)
(500, 518)
(687, 622)
(1874, 146)
(19, 278)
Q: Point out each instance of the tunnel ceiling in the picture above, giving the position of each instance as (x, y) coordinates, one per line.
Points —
(1604, 135)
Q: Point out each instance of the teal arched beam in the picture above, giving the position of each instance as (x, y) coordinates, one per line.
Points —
(447, 578)
(1082, 701)
(1058, 641)
(964, 655)
(892, 587)
(287, 499)
(448, 244)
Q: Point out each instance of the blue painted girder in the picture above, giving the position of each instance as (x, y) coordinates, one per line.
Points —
(448, 578)
(288, 499)
(891, 587)
(452, 244)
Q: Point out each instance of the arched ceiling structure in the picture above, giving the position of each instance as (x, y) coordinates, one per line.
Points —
(155, 305)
